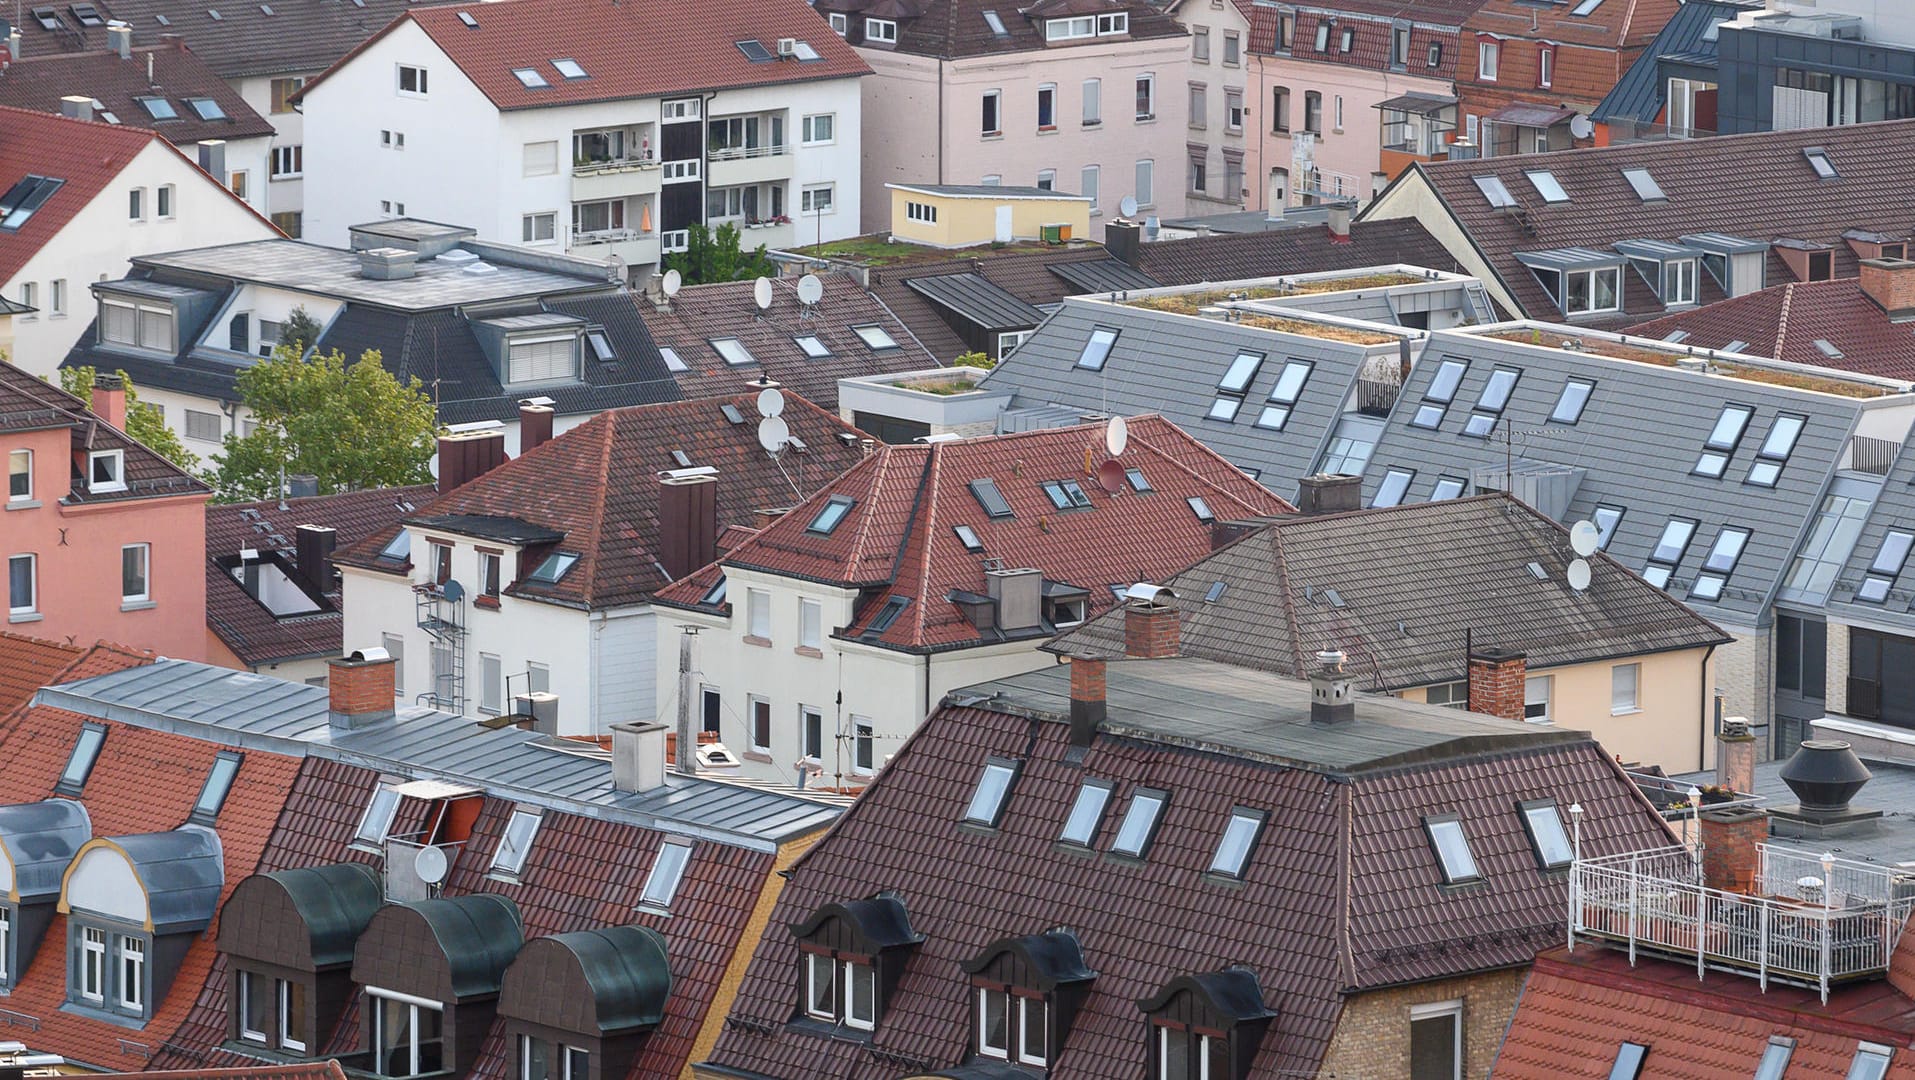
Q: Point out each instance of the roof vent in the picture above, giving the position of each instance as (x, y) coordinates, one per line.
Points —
(458, 257)
(387, 264)
(1825, 775)
(480, 267)
(1693, 363)
(1332, 693)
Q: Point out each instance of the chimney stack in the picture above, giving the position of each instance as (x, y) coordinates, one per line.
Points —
(464, 456)
(119, 38)
(1151, 630)
(688, 519)
(77, 107)
(1340, 223)
(1019, 595)
(535, 424)
(360, 689)
(1087, 699)
(109, 400)
(1496, 681)
(315, 545)
(1735, 755)
(302, 486)
(638, 757)
(1891, 284)
(212, 153)
(1729, 837)
(1124, 241)
(1332, 692)
(1329, 493)
(387, 263)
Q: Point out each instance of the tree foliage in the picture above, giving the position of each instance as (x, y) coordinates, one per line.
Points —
(143, 421)
(351, 425)
(714, 255)
(300, 329)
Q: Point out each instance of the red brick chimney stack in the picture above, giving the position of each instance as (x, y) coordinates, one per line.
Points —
(1890, 283)
(1151, 630)
(1729, 837)
(360, 688)
(1087, 699)
(1496, 678)
(109, 400)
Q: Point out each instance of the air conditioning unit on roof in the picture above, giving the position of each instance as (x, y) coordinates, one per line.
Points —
(787, 46)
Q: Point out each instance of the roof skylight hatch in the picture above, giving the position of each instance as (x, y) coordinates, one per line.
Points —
(1818, 159)
(1645, 185)
(754, 50)
(470, 22)
(530, 78)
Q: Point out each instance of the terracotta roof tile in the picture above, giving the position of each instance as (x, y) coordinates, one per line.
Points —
(27, 403)
(27, 664)
(1614, 24)
(1784, 322)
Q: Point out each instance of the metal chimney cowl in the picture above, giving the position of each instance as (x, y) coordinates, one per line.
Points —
(1825, 774)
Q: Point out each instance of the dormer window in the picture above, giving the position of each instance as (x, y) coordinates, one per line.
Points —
(1025, 992)
(542, 359)
(133, 905)
(136, 325)
(881, 30)
(106, 470)
(851, 956)
(1206, 1027)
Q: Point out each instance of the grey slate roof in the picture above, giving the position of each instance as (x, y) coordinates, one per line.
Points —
(1403, 592)
(1893, 510)
(39, 840)
(248, 710)
(975, 299)
(303, 36)
(1634, 448)
(1103, 276)
(1642, 91)
(182, 873)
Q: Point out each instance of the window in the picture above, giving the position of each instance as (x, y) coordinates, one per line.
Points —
(1146, 183)
(668, 869)
(1313, 112)
(819, 199)
(1447, 487)
(1232, 48)
(1818, 160)
(1723, 439)
(1624, 682)
(863, 746)
(1183, 1054)
(254, 1004)
(968, 537)
(1628, 1064)
(283, 90)
(1452, 849)
(993, 117)
(732, 351)
(56, 296)
(92, 977)
(1199, 111)
(831, 515)
(992, 792)
(593, 218)
(1323, 35)
(1200, 44)
(821, 987)
(1200, 508)
(876, 338)
(1547, 836)
(79, 764)
(106, 470)
(530, 78)
(1347, 39)
(1491, 402)
(1097, 350)
(758, 613)
(515, 843)
(985, 491)
(1087, 813)
(1871, 1062)
(1571, 402)
(1047, 107)
(1146, 97)
(1801, 656)
(407, 1034)
(1093, 102)
(810, 624)
(491, 674)
(538, 228)
(1536, 692)
(376, 822)
(19, 475)
(1545, 65)
(1087, 185)
(542, 359)
(1582, 292)
(1399, 46)
(760, 724)
(1113, 23)
(1395, 484)
(1643, 184)
(1889, 559)
(1337, 123)
(163, 197)
(1139, 827)
(1679, 281)
(1775, 1059)
(1138, 481)
(158, 108)
(1283, 396)
(1082, 26)
(135, 211)
(885, 30)
(542, 158)
(1723, 556)
(412, 80)
(1436, 1041)
(1233, 114)
(819, 129)
(1239, 839)
(1547, 185)
(553, 568)
(1066, 494)
(839, 22)
(1489, 55)
(1776, 448)
(288, 162)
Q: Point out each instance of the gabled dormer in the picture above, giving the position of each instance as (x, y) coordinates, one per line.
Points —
(1025, 992)
(851, 956)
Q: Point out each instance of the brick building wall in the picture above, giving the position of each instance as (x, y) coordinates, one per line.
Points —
(734, 976)
(1372, 1040)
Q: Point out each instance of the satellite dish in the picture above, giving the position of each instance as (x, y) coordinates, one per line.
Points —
(771, 402)
(453, 591)
(1580, 126)
(672, 283)
(1584, 537)
(1128, 206)
(431, 865)
(1116, 436)
(761, 293)
(1579, 575)
(1110, 477)
(810, 289)
(773, 434)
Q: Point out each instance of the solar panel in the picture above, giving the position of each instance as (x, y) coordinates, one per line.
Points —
(754, 51)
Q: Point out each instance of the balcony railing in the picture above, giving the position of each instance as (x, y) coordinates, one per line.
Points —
(613, 165)
(740, 153)
(1376, 397)
(1807, 920)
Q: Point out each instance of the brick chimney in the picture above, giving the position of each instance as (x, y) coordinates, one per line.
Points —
(1735, 755)
(1087, 699)
(464, 456)
(109, 400)
(1729, 837)
(1332, 691)
(535, 425)
(1496, 678)
(688, 519)
(360, 689)
(1329, 493)
(1151, 630)
(1891, 284)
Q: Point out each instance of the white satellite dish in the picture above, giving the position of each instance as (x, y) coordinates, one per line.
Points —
(810, 289)
(771, 402)
(431, 865)
(773, 434)
(1116, 436)
(1579, 574)
(1584, 537)
(672, 283)
(1580, 126)
(761, 293)
(1127, 206)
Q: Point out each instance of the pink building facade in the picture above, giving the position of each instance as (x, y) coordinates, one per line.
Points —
(103, 539)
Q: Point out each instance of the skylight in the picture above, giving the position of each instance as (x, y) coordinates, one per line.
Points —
(87, 14)
(831, 515)
(48, 18)
(470, 22)
(1775, 1059)
(992, 791)
(1493, 190)
(1452, 849)
(569, 68)
(1087, 813)
(813, 348)
(1570, 403)
(1645, 185)
(1720, 563)
(1447, 487)
(1097, 349)
(1140, 822)
(1818, 160)
(681, 459)
(1138, 481)
(731, 413)
(376, 822)
(1723, 439)
(553, 568)
(1777, 445)
(1606, 518)
(1668, 551)
(1066, 494)
(1395, 484)
(1449, 375)
(515, 843)
(530, 78)
(25, 197)
(158, 108)
(399, 547)
(1628, 1064)
(996, 24)
(1870, 1063)
(1586, 7)
(1283, 396)
(1889, 559)
(219, 784)
(601, 346)
(668, 869)
(1242, 370)
(893, 607)
(671, 358)
(1547, 185)
(1827, 348)
(732, 351)
(968, 537)
(206, 108)
(1200, 508)
(716, 594)
(1491, 402)
(754, 51)
(984, 490)
(875, 337)
(1239, 838)
(1215, 592)
(79, 764)
(803, 51)
(1546, 834)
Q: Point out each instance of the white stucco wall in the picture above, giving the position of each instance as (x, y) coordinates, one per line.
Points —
(289, 129)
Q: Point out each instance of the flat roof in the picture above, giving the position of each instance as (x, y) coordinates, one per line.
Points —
(988, 191)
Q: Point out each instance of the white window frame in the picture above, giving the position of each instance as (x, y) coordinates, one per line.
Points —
(417, 1005)
(884, 30)
(529, 231)
(146, 573)
(491, 674)
(817, 964)
(1538, 690)
(1072, 28)
(1233, 112)
(56, 298)
(1146, 182)
(422, 84)
(1631, 674)
(1489, 59)
(1545, 66)
(809, 129)
(1438, 1009)
(753, 703)
(758, 614)
(375, 822)
(985, 1048)
(1147, 82)
(92, 964)
(20, 463)
(294, 155)
(117, 458)
(1093, 102)
(851, 974)
(996, 127)
(807, 197)
(667, 874)
(806, 713)
(32, 605)
(1087, 185)
(840, 24)
(1047, 102)
(251, 1028)
(810, 624)
(131, 954)
(864, 751)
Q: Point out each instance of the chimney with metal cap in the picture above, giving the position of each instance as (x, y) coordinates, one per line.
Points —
(360, 689)
(1332, 693)
(77, 107)
(109, 400)
(119, 38)
(688, 516)
(464, 456)
(1151, 630)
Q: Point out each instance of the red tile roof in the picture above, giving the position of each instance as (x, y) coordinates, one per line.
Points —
(897, 539)
(1614, 24)
(957, 28)
(1784, 322)
(27, 664)
(31, 404)
(1577, 1009)
(596, 484)
(628, 48)
(308, 1070)
(39, 81)
(1372, 43)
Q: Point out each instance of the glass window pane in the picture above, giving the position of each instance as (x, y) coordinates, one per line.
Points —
(1290, 382)
(988, 800)
(1607, 518)
(1893, 554)
(1390, 492)
(1452, 849)
(1726, 550)
(1234, 849)
(1448, 376)
(1546, 828)
(1135, 833)
(1569, 406)
(1242, 370)
(1097, 349)
(1780, 441)
(1087, 811)
(1496, 391)
(1729, 427)
(1674, 541)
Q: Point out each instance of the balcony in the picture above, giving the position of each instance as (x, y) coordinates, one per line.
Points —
(749, 165)
(615, 178)
(1805, 920)
(634, 247)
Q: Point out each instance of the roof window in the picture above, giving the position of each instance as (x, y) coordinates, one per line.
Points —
(515, 842)
(569, 68)
(1491, 402)
(601, 346)
(1676, 337)
(1645, 185)
(969, 538)
(681, 459)
(1587, 7)
(1667, 555)
(876, 338)
(1546, 834)
(1447, 487)
(732, 415)
(1889, 559)
(1452, 849)
(1442, 391)
(1087, 813)
(1243, 369)
(1146, 809)
(1827, 348)
(1493, 190)
(668, 869)
(813, 348)
(1066, 494)
(1215, 592)
(1547, 185)
(158, 108)
(1736, 346)
(219, 784)
(1777, 445)
(996, 24)
(470, 22)
(1723, 555)
(1723, 439)
(1818, 160)
(1571, 402)
(887, 615)
(48, 18)
(1283, 396)
(530, 78)
(1871, 1062)
(732, 351)
(716, 594)
(399, 548)
(671, 358)
(206, 108)
(1097, 350)
(1238, 841)
(1201, 508)
(1775, 1059)
(79, 764)
(20, 201)
(1628, 1064)
(1606, 518)
(831, 515)
(984, 490)
(1395, 484)
(754, 51)
(992, 792)
(555, 566)
(87, 14)
(1138, 481)
(376, 821)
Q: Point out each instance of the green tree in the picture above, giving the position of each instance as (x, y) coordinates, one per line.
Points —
(713, 255)
(143, 421)
(351, 425)
(300, 329)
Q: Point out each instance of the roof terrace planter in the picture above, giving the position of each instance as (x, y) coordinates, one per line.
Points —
(942, 398)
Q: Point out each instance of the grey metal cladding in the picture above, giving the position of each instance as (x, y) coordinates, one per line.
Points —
(1894, 509)
(1639, 438)
(972, 297)
(1171, 364)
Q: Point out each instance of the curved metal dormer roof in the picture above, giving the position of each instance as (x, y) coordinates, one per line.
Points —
(1054, 958)
(334, 903)
(166, 882)
(1233, 994)
(37, 842)
(624, 970)
(878, 923)
(477, 934)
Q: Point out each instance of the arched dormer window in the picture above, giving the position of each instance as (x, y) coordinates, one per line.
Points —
(37, 842)
(851, 956)
(431, 970)
(133, 904)
(1206, 1027)
(288, 938)
(1025, 992)
(577, 1006)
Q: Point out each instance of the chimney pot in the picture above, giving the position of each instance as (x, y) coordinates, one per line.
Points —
(1340, 223)
(1329, 493)
(464, 456)
(109, 400)
(1729, 837)
(638, 757)
(1496, 682)
(1735, 755)
(1124, 240)
(1332, 692)
(1087, 698)
(119, 38)
(360, 689)
(688, 514)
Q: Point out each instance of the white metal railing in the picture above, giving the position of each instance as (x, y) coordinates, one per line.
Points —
(1808, 920)
(738, 153)
(607, 236)
(611, 165)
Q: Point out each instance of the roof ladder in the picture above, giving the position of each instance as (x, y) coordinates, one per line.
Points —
(1481, 310)
(441, 614)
